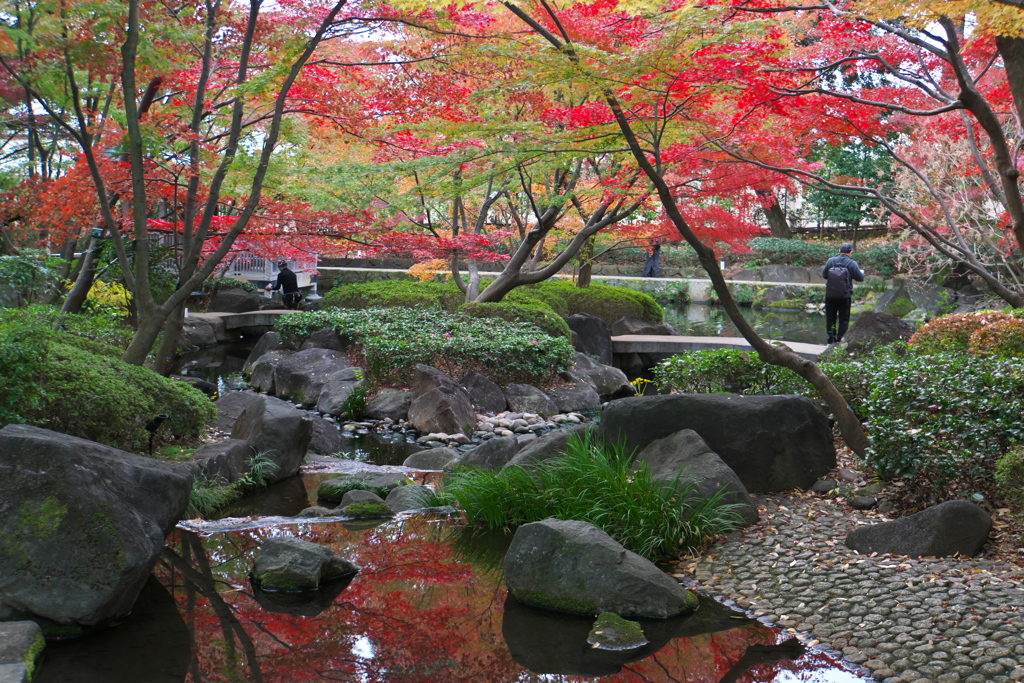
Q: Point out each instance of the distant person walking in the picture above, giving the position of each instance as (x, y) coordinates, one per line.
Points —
(289, 286)
(839, 273)
(652, 267)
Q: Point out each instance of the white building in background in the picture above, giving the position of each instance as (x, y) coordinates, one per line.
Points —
(260, 271)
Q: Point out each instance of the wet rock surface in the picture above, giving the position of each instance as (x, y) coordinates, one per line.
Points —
(949, 620)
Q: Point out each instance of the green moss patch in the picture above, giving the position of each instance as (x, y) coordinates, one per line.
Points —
(367, 510)
(612, 632)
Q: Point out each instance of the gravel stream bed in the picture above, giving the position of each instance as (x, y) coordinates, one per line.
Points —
(947, 620)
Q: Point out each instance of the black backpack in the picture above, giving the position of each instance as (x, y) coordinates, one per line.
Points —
(838, 283)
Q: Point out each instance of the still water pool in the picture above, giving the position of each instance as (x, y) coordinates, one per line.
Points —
(428, 605)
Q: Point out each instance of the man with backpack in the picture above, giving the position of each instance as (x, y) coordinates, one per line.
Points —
(288, 283)
(839, 273)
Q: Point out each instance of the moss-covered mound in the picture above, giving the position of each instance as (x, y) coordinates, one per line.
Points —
(78, 385)
(537, 304)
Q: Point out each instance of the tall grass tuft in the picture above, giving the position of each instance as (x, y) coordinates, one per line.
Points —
(212, 494)
(594, 483)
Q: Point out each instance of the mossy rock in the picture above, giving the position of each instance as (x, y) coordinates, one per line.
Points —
(791, 304)
(900, 307)
(333, 490)
(612, 632)
(367, 510)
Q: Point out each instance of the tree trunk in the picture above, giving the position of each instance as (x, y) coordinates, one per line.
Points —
(151, 321)
(776, 217)
(83, 283)
(169, 340)
(586, 260)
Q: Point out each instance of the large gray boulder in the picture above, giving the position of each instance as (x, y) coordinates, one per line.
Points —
(578, 397)
(337, 389)
(302, 375)
(956, 526)
(490, 455)
(196, 334)
(279, 431)
(574, 567)
(684, 460)
(795, 274)
(326, 339)
(593, 337)
(432, 458)
(224, 461)
(21, 650)
(81, 526)
(326, 438)
(426, 377)
(608, 382)
(264, 369)
(289, 564)
(357, 496)
(235, 300)
(873, 329)
(409, 497)
(446, 408)
(626, 325)
(525, 398)
(772, 443)
(271, 341)
(230, 407)
(389, 403)
(487, 396)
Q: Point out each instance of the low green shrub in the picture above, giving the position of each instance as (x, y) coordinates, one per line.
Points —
(880, 260)
(596, 484)
(1010, 476)
(71, 380)
(712, 371)
(536, 313)
(393, 340)
(937, 420)
(607, 303)
(22, 351)
(662, 291)
(103, 399)
(1002, 338)
(952, 333)
(394, 293)
(213, 284)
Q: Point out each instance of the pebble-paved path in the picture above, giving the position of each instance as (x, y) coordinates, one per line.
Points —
(948, 620)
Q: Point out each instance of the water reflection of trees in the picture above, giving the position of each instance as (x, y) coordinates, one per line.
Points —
(416, 613)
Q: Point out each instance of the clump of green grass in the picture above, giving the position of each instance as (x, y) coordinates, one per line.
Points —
(594, 483)
(210, 495)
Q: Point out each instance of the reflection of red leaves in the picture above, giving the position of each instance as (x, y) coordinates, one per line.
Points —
(414, 614)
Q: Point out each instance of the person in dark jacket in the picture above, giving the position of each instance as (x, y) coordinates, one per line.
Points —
(652, 267)
(289, 286)
(839, 273)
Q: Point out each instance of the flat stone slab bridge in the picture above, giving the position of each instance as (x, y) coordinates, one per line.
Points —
(662, 344)
(223, 323)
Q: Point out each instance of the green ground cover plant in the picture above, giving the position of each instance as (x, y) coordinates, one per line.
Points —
(209, 496)
(334, 489)
(394, 340)
(72, 380)
(597, 484)
(939, 420)
(543, 302)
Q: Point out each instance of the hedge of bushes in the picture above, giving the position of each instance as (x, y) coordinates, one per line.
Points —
(73, 381)
(941, 411)
(394, 340)
(877, 260)
(532, 303)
